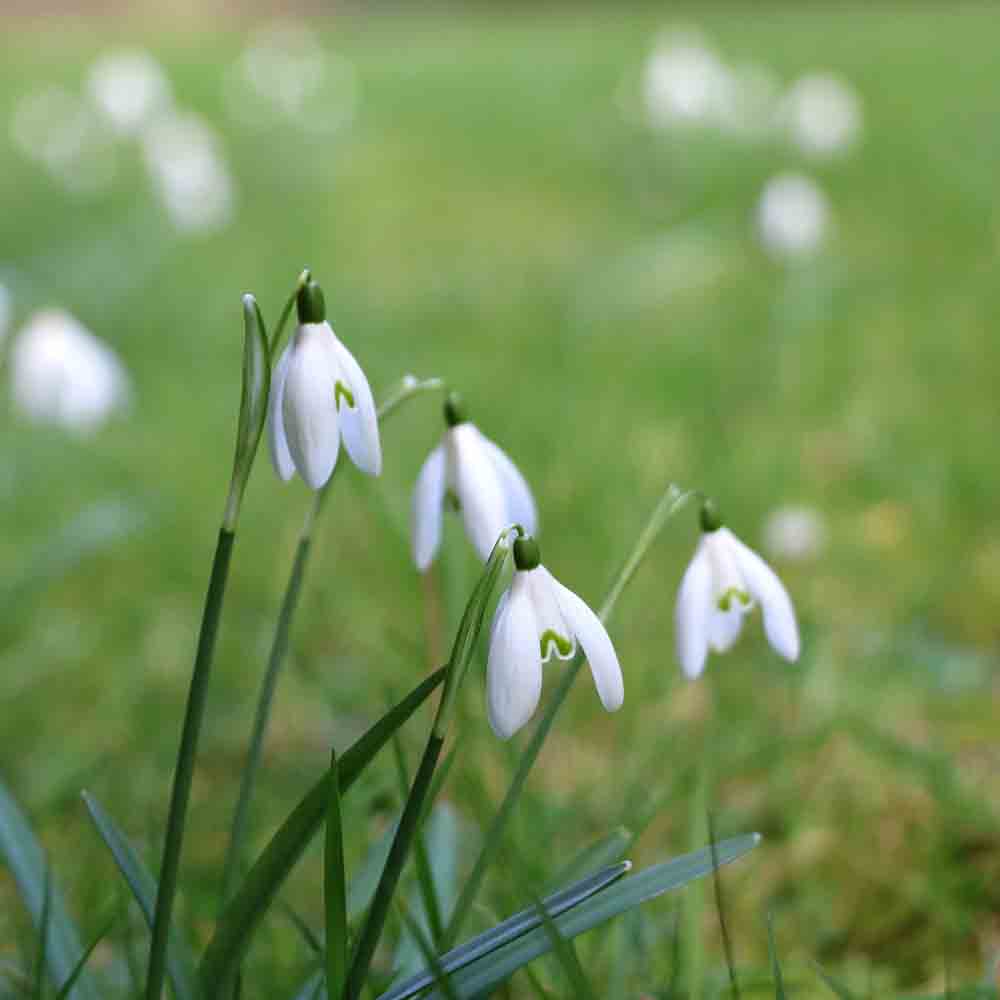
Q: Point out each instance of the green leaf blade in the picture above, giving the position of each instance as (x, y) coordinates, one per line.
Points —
(180, 964)
(489, 971)
(24, 856)
(260, 887)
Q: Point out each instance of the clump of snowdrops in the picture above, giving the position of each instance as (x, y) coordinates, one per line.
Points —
(312, 397)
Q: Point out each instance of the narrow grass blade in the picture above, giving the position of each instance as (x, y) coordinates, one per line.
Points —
(312, 988)
(67, 987)
(720, 907)
(600, 854)
(492, 969)
(835, 985)
(180, 795)
(180, 965)
(43, 936)
(23, 855)
(669, 504)
(779, 982)
(565, 953)
(335, 888)
(307, 934)
(510, 929)
(258, 890)
(439, 977)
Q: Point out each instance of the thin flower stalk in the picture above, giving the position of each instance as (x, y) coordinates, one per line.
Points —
(408, 387)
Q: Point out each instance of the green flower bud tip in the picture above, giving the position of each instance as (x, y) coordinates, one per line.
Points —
(310, 303)
(454, 410)
(527, 554)
(711, 519)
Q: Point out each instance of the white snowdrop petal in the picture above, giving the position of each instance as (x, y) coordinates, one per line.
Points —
(521, 507)
(281, 457)
(427, 509)
(478, 487)
(359, 424)
(768, 591)
(514, 665)
(309, 409)
(596, 643)
(691, 617)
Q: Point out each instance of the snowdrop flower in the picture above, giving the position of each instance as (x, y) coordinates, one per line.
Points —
(61, 373)
(538, 618)
(485, 484)
(61, 132)
(129, 87)
(189, 174)
(792, 216)
(686, 82)
(318, 395)
(795, 533)
(823, 115)
(721, 584)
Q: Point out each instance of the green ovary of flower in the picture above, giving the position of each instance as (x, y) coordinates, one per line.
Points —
(563, 646)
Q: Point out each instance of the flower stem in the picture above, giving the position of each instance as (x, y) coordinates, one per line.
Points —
(407, 388)
(279, 648)
(184, 771)
(365, 948)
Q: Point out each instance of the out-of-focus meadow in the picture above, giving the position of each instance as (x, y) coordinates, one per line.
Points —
(572, 234)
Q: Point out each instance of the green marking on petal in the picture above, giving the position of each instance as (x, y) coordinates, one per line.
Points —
(340, 391)
(725, 602)
(563, 646)
(451, 501)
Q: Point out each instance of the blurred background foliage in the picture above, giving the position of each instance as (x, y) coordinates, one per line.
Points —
(489, 195)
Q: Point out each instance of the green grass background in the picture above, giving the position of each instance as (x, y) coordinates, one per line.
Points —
(492, 217)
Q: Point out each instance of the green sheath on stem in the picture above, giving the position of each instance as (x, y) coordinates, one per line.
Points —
(184, 771)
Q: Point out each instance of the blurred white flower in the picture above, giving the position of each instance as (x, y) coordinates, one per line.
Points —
(318, 395)
(538, 618)
(792, 216)
(130, 87)
(62, 133)
(721, 584)
(795, 533)
(686, 82)
(285, 73)
(61, 373)
(490, 491)
(189, 173)
(823, 115)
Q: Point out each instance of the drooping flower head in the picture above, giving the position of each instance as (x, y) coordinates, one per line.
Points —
(723, 581)
(484, 483)
(319, 394)
(538, 618)
(63, 374)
